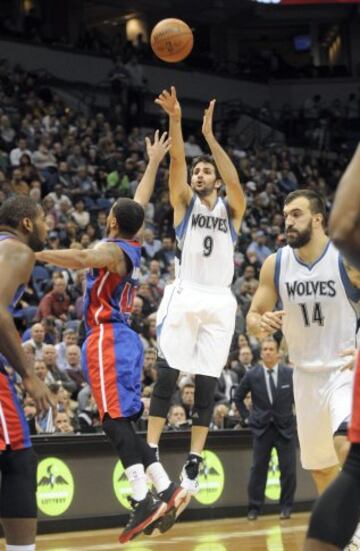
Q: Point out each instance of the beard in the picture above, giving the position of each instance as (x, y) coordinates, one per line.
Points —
(300, 239)
(35, 242)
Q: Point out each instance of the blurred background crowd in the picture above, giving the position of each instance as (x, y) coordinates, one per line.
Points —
(76, 165)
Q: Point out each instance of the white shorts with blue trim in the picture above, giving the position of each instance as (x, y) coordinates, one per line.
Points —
(322, 402)
(195, 326)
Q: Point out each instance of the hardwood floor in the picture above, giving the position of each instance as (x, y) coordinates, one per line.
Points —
(265, 534)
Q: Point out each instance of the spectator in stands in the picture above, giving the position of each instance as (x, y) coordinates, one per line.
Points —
(149, 368)
(62, 423)
(17, 152)
(150, 245)
(258, 247)
(177, 418)
(226, 384)
(61, 377)
(55, 303)
(42, 372)
(187, 397)
(244, 361)
(192, 148)
(73, 369)
(37, 340)
(218, 418)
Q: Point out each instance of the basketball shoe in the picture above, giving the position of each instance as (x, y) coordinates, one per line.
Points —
(190, 472)
(143, 513)
(174, 497)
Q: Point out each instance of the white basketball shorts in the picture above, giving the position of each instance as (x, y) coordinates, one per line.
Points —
(195, 326)
(322, 402)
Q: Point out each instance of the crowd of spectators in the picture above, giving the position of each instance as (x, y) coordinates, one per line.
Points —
(75, 166)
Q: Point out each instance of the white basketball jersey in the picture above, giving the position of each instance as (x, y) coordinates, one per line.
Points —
(205, 242)
(319, 301)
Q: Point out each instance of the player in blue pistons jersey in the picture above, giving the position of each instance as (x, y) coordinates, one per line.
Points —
(22, 231)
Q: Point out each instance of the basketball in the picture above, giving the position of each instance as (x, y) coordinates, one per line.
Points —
(171, 40)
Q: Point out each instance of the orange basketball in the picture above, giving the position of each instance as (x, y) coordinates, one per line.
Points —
(172, 40)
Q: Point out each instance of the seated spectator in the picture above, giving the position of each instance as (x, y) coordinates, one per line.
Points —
(150, 245)
(177, 418)
(192, 148)
(218, 419)
(88, 418)
(17, 152)
(73, 369)
(80, 215)
(61, 377)
(259, 247)
(36, 341)
(228, 380)
(244, 362)
(149, 369)
(70, 337)
(55, 303)
(62, 423)
(42, 372)
(187, 398)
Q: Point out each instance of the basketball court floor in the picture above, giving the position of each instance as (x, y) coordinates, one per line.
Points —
(265, 534)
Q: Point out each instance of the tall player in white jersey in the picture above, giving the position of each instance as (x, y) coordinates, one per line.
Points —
(196, 317)
(318, 318)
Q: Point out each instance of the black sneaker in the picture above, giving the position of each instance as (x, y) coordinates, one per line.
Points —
(190, 472)
(144, 513)
(176, 498)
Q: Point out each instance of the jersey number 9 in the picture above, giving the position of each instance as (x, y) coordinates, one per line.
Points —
(208, 244)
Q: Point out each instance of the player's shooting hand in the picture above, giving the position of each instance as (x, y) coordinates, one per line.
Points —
(207, 126)
(39, 392)
(271, 322)
(169, 102)
(157, 150)
(350, 355)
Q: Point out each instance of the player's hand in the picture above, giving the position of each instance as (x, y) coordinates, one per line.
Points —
(270, 322)
(169, 102)
(350, 354)
(207, 126)
(157, 150)
(39, 392)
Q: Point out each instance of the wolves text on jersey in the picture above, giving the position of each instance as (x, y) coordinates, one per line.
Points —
(309, 288)
(209, 222)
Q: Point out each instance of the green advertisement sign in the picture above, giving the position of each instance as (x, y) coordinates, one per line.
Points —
(55, 487)
(273, 489)
(211, 479)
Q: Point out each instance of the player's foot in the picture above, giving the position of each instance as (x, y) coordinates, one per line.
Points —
(176, 499)
(143, 513)
(190, 472)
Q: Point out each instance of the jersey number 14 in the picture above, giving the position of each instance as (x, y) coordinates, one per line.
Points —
(316, 316)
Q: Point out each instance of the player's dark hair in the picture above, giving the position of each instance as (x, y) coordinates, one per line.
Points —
(204, 159)
(317, 202)
(15, 209)
(129, 216)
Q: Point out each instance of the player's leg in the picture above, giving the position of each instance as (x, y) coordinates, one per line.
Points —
(337, 511)
(18, 507)
(314, 427)
(262, 446)
(203, 410)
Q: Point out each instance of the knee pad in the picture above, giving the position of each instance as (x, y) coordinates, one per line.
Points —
(204, 400)
(18, 484)
(164, 388)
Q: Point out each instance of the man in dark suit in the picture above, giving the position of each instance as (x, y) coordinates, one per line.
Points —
(272, 423)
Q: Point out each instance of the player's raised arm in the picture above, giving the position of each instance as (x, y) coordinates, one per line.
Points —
(156, 152)
(229, 175)
(344, 224)
(180, 191)
(261, 320)
(103, 255)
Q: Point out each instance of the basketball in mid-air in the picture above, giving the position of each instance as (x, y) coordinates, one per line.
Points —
(171, 40)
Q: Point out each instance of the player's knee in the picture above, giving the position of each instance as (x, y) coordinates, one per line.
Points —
(164, 388)
(18, 488)
(204, 400)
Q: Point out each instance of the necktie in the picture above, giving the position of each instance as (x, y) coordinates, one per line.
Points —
(272, 385)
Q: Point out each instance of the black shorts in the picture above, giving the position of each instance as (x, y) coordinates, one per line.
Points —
(18, 484)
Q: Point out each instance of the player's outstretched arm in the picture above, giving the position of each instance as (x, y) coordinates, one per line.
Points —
(103, 255)
(156, 152)
(344, 223)
(16, 265)
(261, 321)
(180, 192)
(229, 175)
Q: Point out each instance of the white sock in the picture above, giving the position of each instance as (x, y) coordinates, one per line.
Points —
(20, 547)
(152, 445)
(158, 476)
(137, 479)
